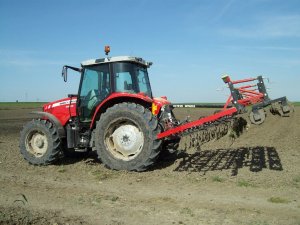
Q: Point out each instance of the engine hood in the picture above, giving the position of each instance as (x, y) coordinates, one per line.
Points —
(59, 103)
(62, 109)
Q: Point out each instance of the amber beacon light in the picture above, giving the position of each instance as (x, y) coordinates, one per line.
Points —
(107, 49)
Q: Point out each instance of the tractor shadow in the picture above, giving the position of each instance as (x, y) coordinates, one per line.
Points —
(203, 161)
(69, 158)
(255, 158)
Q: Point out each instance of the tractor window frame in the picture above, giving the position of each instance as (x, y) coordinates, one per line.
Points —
(125, 68)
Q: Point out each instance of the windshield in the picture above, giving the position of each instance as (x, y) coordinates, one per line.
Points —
(131, 78)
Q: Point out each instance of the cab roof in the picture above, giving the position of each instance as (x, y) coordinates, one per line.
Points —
(116, 59)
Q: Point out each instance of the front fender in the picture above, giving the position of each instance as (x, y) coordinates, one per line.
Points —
(60, 129)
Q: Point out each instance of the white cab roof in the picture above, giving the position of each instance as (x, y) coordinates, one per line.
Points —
(116, 59)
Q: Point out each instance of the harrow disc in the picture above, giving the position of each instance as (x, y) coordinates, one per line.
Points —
(257, 117)
(282, 110)
(207, 132)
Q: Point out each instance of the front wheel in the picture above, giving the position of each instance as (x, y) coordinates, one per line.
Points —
(125, 137)
(40, 143)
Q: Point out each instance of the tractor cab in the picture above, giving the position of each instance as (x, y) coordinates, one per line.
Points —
(100, 78)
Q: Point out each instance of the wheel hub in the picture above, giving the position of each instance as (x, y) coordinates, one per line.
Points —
(37, 143)
(126, 142)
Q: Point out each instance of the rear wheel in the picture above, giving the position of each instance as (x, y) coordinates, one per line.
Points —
(125, 137)
(40, 143)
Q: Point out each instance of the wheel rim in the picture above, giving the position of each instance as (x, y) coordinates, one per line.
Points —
(124, 140)
(36, 143)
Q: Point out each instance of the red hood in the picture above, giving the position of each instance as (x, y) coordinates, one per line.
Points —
(57, 103)
(62, 109)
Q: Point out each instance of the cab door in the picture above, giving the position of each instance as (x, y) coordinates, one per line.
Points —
(94, 88)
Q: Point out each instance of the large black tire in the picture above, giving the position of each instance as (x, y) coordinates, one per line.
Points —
(40, 143)
(125, 137)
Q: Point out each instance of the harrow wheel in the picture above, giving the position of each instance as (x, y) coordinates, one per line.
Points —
(257, 117)
(283, 110)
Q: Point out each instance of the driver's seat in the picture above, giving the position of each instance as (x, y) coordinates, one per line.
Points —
(88, 105)
(92, 99)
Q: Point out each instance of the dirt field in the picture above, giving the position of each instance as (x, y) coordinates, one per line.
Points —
(254, 180)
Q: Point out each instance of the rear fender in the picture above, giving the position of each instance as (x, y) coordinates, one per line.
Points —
(60, 129)
(117, 98)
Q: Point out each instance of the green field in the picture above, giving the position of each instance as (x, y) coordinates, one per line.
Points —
(296, 103)
(20, 105)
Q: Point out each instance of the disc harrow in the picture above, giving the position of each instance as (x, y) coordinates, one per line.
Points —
(230, 117)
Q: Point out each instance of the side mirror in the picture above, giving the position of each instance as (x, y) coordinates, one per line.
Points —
(64, 73)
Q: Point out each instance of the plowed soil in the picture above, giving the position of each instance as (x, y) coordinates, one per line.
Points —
(253, 179)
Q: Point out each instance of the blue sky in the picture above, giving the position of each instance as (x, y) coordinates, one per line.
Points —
(191, 43)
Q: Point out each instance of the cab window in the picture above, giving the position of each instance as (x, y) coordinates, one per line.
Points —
(95, 87)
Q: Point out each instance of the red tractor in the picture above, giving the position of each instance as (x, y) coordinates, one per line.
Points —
(115, 114)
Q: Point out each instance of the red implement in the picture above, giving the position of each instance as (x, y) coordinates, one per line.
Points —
(211, 118)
